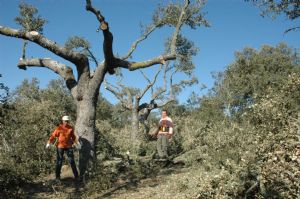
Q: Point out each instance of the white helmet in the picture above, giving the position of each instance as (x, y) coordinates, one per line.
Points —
(65, 118)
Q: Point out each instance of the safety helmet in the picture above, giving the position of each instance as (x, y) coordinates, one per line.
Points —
(65, 118)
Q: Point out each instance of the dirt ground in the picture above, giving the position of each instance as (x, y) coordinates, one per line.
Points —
(48, 188)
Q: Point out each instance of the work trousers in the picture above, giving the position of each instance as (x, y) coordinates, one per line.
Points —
(162, 146)
(60, 158)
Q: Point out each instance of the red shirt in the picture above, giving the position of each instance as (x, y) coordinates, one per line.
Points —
(65, 135)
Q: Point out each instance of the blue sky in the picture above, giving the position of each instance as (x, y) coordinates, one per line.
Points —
(235, 24)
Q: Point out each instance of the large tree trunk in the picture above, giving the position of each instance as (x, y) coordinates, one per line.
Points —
(85, 128)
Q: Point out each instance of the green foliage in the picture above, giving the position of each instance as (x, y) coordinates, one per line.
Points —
(275, 107)
(290, 8)
(252, 151)
(101, 179)
(104, 109)
(168, 15)
(185, 49)
(77, 42)
(31, 116)
(277, 116)
(28, 20)
(28, 91)
(211, 110)
(4, 90)
(253, 72)
(60, 99)
(12, 182)
(240, 141)
(120, 117)
(106, 141)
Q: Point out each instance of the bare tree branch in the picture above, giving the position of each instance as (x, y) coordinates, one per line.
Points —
(150, 85)
(148, 107)
(291, 29)
(113, 62)
(92, 56)
(24, 49)
(108, 38)
(164, 103)
(39, 39)
(178, 27)
(161, 91)
(171, 83)
(117, 94)
(64, 71)
(145, 76)
(148, 80)
(144, 64)
(128, 93)
(135, 44)
(97, 13)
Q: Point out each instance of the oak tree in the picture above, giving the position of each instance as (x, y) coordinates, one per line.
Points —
(84, 87)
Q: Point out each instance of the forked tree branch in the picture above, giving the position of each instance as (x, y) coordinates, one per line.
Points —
(164, 89)
(150, 85)
(125, 103)
(114, 62)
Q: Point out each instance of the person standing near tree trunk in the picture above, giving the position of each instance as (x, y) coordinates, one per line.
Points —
(165, 132)
(66, 139)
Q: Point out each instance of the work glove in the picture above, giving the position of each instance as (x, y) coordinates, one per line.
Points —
(47, 145)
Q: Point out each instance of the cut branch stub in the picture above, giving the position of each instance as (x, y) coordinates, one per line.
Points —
(104, 25)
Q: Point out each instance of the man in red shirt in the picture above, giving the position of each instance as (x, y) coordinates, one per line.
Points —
(65, 141)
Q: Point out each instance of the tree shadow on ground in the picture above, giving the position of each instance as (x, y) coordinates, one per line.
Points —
(65, 188)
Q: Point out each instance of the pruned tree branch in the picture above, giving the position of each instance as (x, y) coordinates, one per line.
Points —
(42, 41)
(147, 107)
(114, 62)
(97, 13)
(108, 38)
(64, 71)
